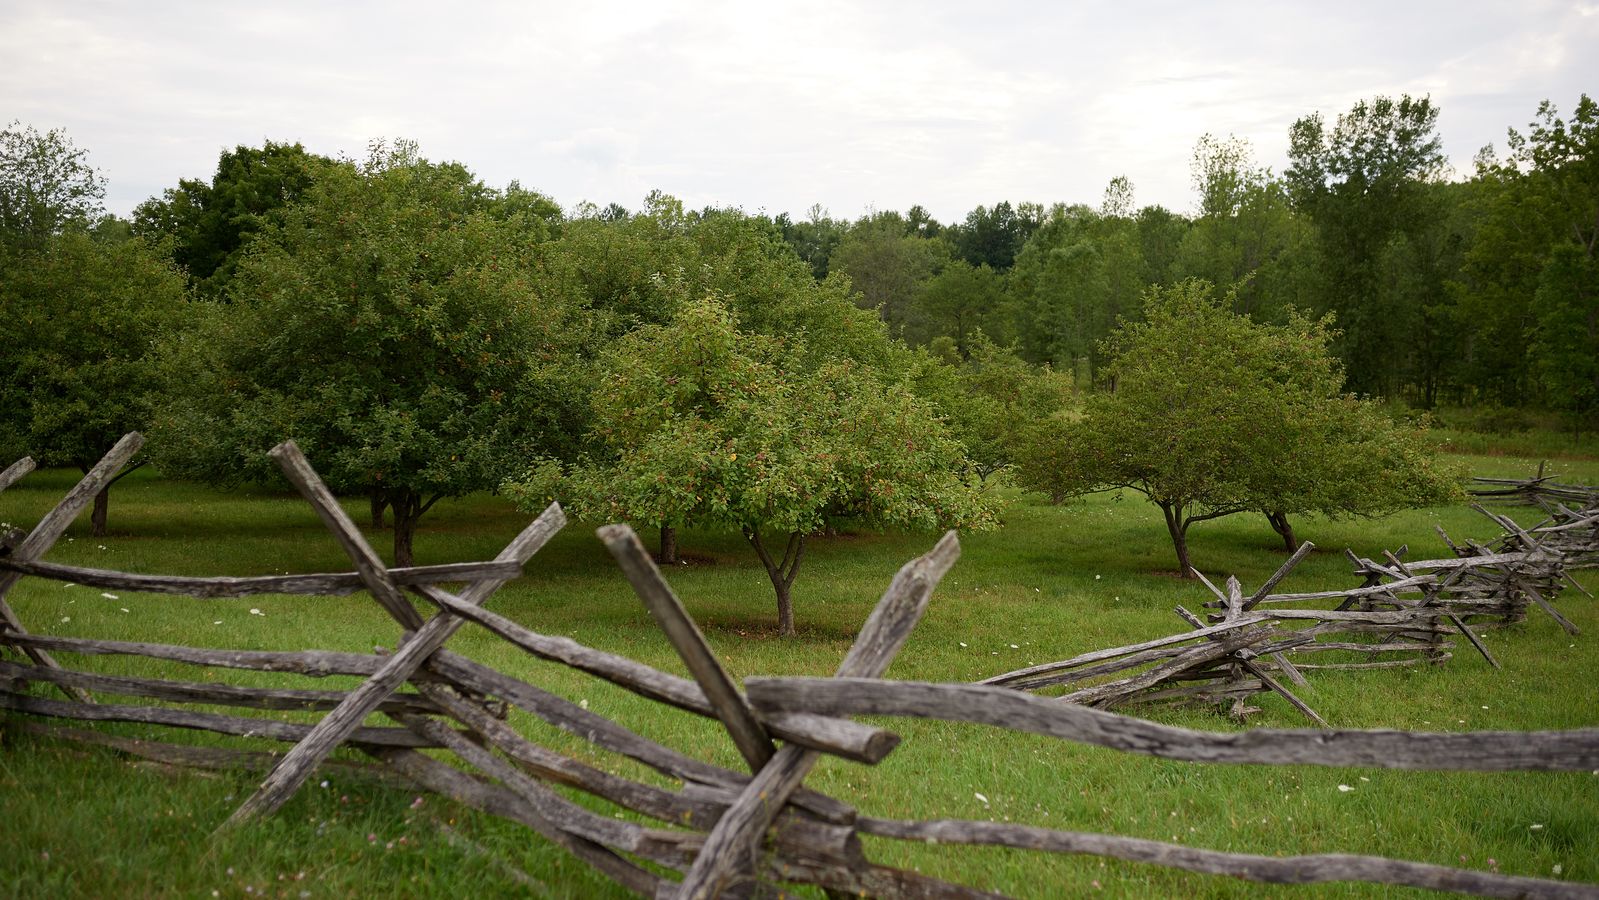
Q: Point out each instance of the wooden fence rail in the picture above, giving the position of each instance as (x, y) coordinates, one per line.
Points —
(715, 831)
(1401, 614)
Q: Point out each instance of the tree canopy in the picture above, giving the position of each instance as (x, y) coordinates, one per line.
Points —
(1210, 414)
(83, 315)
(699, 423)
(393, 326)
(209, 222)
(46, 185)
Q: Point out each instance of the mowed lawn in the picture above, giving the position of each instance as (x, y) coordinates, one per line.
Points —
(1054, 582)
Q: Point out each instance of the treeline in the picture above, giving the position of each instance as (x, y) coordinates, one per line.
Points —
(423, 335)
(1475, 292)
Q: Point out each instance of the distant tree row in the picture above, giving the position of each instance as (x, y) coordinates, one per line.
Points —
(1461, 292)
(423, 335)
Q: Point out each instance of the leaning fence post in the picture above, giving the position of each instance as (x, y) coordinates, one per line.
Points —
(732, 843)
(748, 734)
(14, 472)
(297, 765)
(52, 526)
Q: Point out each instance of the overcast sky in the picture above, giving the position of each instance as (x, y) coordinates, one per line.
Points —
(773, 106)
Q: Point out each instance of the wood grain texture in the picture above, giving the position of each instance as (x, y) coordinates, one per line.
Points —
(1485, 751)
(310, 584)
(1312, 869)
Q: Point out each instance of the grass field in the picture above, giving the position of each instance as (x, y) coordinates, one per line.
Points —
(1054, 582)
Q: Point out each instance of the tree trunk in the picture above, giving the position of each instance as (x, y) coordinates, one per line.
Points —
(781, 573)
(407, 509)
(785, 609)
(1281, 525)
(668, 554)
(1177, 526)
(379, 502)
(102, 505)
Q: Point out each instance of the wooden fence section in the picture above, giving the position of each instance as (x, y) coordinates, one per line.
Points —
(723, 830)
(1540, 490)
(1401, 614)
(1572, 526)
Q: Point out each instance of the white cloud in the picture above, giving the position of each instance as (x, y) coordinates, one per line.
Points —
(850, 105)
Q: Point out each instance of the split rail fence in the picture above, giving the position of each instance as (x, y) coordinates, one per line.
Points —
(718, 832)
(1402, 614)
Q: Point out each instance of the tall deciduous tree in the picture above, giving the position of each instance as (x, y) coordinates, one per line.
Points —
(1364, 183)
(392, 325)
(209, 222)
(1565, 347)
(1528, 274)
(1245, 234)
(82, 315)
(697, 422)
(1213, 414)
(46, 185)
(888, 266)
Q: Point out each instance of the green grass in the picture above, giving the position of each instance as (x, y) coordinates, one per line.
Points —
(1056, 581)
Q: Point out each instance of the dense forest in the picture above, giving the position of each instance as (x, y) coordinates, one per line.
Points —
(423, 334)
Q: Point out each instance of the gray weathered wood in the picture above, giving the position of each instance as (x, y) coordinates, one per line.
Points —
(297, 469)
(732, 844)
(840, 737)
(239, 726)
(1277, 576)
(1312, 869)
(1099, 655)
(199, 692)
(655, 802)
(747, 732)
(313, 584)
(1190, 657)
(298, 764)
(1129, 661)
(314, 663)
(1475, 642)
(1547, 607)
(52, 526)
(570, 717)
(15, 472)
(1486, 751)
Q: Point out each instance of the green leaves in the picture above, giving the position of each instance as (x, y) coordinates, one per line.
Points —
(393, 325)
(1213, 414)
(46, 186)
(77, 367)
(698, 422)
